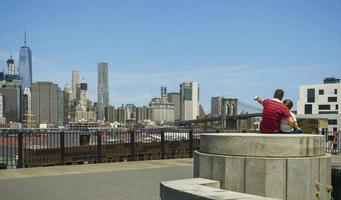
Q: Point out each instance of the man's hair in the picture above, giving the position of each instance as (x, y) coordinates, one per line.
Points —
(288, 103)
(279, 94)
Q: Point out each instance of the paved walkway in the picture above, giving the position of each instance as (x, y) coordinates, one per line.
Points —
(126, 181)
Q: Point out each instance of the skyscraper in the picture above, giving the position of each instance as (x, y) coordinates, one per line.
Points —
(25, 65)
(102, 90)
(74, 83)
(174, 98)
(45, 103)
(189, 100)
(83, 95)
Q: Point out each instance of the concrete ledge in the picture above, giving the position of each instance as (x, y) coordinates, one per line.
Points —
(200, 189)
(263, 145)
(285, 178)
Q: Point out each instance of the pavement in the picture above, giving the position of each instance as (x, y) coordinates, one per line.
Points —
(122, 181)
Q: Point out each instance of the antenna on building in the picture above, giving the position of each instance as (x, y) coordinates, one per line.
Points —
(25, 38)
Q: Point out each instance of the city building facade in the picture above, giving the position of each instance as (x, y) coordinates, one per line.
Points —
(163, 111)
(45, 103)
(174, 98)
(189, 100)
(25, 65)
(102, 90)
(74, 83)
(144, 113)
(321, 101)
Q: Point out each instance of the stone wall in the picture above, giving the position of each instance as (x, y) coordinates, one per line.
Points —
(280, 166)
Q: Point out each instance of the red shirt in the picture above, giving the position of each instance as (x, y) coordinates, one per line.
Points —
(273, 112)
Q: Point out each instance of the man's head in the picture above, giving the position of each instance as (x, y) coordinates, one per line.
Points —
(288, 103)
(279, 94)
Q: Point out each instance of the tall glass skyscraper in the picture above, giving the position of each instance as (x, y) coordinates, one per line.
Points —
(25, 65)
(102, 90)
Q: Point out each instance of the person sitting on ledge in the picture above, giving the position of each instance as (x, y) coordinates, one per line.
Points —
(285, 128)
(273, 112)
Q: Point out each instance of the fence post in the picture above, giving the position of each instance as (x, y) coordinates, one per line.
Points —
(20, 149)
(162, 144)
(62, 146)
(132, 144)
(99, 146)
(190, 144)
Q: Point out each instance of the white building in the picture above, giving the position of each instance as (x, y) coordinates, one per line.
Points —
(321, 101)
(74, 83)
(189, 100)
(162, 110)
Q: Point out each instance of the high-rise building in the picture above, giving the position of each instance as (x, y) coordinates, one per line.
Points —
(2, 118)
(144, 113)
(83, 95)
(67, 103)
(189, 100)
(25, 65)
(74, 83)
(102, 90)
(174, 98)
(60, 108)
(116, 114)
(10, 87)
(45, 103)
(12, 109)
(11, 67)
(27, 108)
(163, 111)
(321, 101)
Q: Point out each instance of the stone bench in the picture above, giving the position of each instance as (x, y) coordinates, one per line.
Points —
(200, 189)
(284, 166)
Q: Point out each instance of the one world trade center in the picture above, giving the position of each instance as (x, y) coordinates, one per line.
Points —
(25, 65)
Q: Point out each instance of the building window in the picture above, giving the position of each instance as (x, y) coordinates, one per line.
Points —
(308, 109)
(332, 122)
(311, 95)
(329, 112)
(324, 107)
(321, 92)
(337, 107)
(335, 91)
(332, 99)
(187, 94)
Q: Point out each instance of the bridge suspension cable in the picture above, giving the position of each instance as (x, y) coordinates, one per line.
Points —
(248, 107)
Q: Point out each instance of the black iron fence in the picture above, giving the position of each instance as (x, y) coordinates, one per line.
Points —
(48, 147)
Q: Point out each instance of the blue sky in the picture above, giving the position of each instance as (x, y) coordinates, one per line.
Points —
(234, 48)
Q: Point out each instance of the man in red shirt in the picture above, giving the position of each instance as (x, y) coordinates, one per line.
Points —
(273, 112)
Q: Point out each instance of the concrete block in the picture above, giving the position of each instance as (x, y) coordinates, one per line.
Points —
(200, 189)
(196, 164)
(265, 145)
(218, 170)
(302, 174)
(265, 177)
(325, 175)
(234, 173)
(205, 165)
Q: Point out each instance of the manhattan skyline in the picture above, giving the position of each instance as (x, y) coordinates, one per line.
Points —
(233, 49)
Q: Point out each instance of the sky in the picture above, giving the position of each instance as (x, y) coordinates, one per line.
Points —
(237, 49)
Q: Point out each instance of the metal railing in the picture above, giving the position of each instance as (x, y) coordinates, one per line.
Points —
(48, 147)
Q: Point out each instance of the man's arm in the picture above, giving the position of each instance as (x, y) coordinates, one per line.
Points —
(258, 99)
(291, 122)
